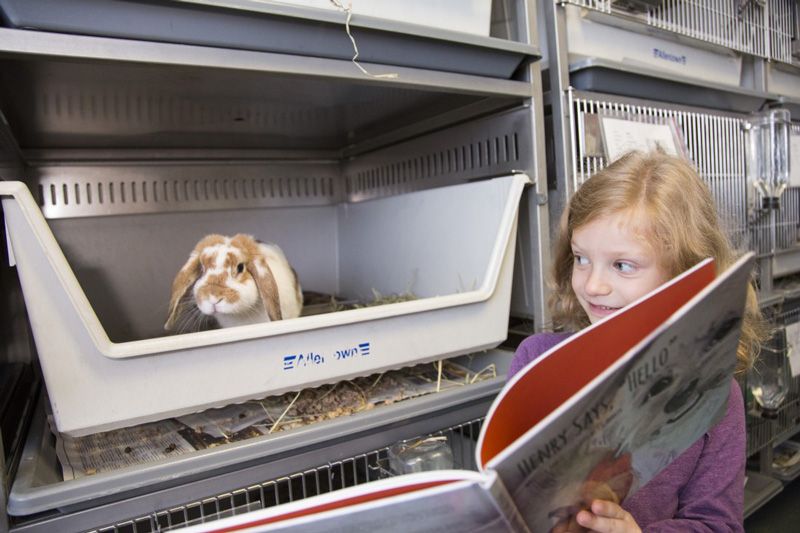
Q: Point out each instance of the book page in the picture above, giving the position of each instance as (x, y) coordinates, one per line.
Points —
(621, 136)
(439, 501)
(637, 414)
(580, 359)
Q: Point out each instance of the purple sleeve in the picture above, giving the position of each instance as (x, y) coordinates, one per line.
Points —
(703, 489)
(532, 347)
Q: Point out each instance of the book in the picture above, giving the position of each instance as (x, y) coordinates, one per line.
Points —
(597, 416)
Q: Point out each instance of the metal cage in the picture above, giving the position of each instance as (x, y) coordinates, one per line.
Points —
(784, 19)
(762, 433)
(789, 416)
(763, 29)
(787, 223)
(716, 143)
(325, 478)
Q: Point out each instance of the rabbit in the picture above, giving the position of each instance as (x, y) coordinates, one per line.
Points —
(237, 281)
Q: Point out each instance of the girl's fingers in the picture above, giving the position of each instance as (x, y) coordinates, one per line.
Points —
(608, 509)
(607, 517)
(600, 524)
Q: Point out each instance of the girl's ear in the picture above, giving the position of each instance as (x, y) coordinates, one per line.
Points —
(267, 288)
(186, 277)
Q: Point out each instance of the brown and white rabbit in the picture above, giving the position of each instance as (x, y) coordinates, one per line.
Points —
(237, 281)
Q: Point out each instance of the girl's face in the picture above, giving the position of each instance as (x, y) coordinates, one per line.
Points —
(614, 265)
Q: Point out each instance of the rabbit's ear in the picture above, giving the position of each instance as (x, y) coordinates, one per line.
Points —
(186, 277)
(267, 288)
(258, 268)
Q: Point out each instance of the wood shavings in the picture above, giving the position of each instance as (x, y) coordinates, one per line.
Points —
(316, 303)
(216, 427)
(278, 421)
(381, 299)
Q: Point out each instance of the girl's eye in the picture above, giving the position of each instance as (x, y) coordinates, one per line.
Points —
(580, 260)
(624, 267)
(240, 268)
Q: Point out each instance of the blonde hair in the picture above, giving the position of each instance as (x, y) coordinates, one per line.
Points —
(679, 218)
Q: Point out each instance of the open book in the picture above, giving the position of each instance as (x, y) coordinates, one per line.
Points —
(598, 415)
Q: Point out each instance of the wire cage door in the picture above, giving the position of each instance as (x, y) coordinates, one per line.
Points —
(715, 142)
(787, 231)
(762, 28)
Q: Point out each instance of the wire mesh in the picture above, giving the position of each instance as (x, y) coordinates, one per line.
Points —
(716, 144)
(788, 317)
(788, 421)
(597, 5)
(762, 432)
(356, 470)
(782, 28)
(762, 28)
(787, 223)
(737, 25)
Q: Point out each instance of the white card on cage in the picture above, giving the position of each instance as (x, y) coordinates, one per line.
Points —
(621, 135)
(793, 345)
(794, 160)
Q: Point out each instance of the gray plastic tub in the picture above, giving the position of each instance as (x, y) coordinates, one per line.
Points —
(38, 486)
(273, 28)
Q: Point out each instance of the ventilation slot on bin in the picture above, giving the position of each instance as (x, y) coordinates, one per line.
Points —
(65, 192)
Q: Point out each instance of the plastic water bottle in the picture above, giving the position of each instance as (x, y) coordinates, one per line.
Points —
(768, 380)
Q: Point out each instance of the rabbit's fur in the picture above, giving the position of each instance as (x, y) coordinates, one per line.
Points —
(237, 281)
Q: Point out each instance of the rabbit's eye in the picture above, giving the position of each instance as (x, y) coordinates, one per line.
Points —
(240, 268)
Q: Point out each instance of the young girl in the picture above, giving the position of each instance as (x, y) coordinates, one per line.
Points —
(628, 229)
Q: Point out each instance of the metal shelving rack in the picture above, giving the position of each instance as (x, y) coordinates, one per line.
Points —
(787, 234)
(76, 104)
(764, 435)
(312, 481)
(586, 77)
(378, 137)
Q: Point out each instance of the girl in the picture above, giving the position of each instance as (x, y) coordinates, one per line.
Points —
(631, 227)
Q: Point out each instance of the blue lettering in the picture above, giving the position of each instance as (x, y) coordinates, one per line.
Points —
(344, 354)
(661, 54)
(292, 361)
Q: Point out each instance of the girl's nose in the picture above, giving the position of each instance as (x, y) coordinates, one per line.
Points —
(596, 284)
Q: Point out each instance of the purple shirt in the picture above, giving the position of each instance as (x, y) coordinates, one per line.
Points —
(703, 488)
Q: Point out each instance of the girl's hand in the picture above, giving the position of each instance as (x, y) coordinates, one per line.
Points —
(607, 517)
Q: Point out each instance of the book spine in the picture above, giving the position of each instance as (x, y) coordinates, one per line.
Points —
(504, 503)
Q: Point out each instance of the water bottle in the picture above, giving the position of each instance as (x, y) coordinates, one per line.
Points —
(768, 378)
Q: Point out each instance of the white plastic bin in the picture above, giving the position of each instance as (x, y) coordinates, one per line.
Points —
(452, 246)
(591, 41)
(468, 16)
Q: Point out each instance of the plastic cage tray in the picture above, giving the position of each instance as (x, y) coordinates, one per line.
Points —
(758, 490)
(788, 449)
(591, 39)
(273, 27)
(39, 487)
(452, 247)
